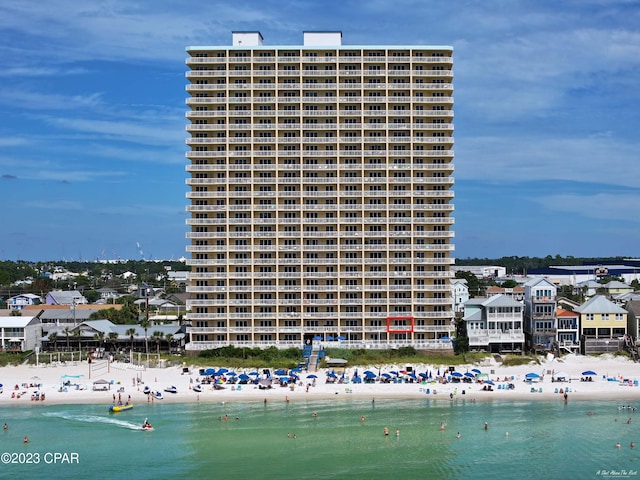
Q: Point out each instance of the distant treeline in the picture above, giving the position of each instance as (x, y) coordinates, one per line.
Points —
(11, 272)
(520, 265)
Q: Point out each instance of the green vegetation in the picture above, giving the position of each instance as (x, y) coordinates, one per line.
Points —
(517, 360)
(7, 359)
(274, 358)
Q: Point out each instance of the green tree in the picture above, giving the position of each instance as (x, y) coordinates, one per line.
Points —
(130, 333)
(53, 337)
(169, 338)
(158, 336)
(67, 333)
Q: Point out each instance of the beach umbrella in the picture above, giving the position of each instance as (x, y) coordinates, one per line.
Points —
(231, 374)
(341, 337)
(280, 372)
(393, 372)
(329, 337)
(475, 370)
(423, 375)
(254, 374)
(332, 375)
(489, 382)
(209, 371)
(532, 375)
(456, 374)
(369, 374)
(243, 376)
(469, 375)
(222, 371)
(317, 337)
(385, 375)
(312, 376)
(296, 370)
(438, 371)
(589, 373)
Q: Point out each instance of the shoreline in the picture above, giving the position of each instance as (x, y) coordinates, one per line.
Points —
(121, 382)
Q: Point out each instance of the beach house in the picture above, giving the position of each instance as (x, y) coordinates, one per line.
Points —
(603, 325)
(494, 324)
(19, 333)
(540, 326)
(19, 302)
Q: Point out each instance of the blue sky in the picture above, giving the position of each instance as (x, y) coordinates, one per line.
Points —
(92, 117)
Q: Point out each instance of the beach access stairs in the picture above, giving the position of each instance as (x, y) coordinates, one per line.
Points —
(631, 346)
(312, 354)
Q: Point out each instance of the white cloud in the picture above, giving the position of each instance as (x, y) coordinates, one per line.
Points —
(596, 159)
(603, 206)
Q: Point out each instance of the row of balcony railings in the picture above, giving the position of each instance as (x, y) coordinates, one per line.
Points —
(401, 127)
(256, 142)
(324, 113)
(427, 57)
(340, 329)
(283, 72)
(351, 166)
(346, 92)
(320, 153)
(366, 344)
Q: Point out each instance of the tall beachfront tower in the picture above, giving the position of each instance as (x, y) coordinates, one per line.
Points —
(321, 194)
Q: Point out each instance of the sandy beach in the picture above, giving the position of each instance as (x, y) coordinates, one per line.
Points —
(73, 383)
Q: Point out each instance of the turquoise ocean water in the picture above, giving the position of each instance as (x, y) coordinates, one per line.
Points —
(545, 440)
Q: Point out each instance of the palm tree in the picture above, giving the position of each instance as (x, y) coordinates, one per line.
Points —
(145, 324)
(169, 338)
(54, 338)
(99, 337)
(76, 335)
(158, 338)
(113, 338)
(66, 332)
(131, 332)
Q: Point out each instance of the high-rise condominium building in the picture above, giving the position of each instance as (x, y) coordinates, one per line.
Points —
(320, 194)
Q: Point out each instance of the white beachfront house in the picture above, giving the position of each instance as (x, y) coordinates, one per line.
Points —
(494, 324)
(460, 293)
(540, 324)
(19, 333)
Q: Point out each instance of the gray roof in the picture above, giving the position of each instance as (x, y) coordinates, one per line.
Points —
(538, 280)
(67, 314)
(66, 297)
(599, 304)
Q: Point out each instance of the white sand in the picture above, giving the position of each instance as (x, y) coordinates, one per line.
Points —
(124, 378)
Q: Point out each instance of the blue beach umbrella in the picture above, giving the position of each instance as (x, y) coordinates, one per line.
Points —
(209, 371)
(456, 374)
(317, 337)
(222, 371)
(329, 337)
(296, 370)
(589, 373)
(469, 375)
(243, 376)
(280, 372)
(312, 376)
(532, 375)
(254, 374)
(489, 382)
(369, 374)
(476, 370)
(423, 375)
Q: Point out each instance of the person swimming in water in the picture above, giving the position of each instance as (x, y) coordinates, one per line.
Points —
(386, 431)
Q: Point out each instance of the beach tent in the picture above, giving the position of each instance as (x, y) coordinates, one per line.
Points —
(561, 377)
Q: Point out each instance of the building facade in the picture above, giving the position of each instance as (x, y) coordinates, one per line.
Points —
(540, 322)
(320, 188)
(494, 324)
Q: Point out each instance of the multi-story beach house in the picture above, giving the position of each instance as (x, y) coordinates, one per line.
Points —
(540, 324)
(603, 325)
(19, 333)
(19, 302)
(568, 338)
(321, 189)
(494, 324)
(517, 292)
(460, 293)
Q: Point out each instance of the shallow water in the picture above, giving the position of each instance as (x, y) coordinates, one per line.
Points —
(545, 440)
